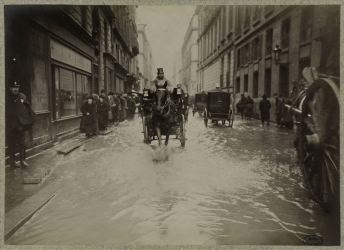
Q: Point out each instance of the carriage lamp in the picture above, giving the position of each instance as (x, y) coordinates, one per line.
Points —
(277, 52)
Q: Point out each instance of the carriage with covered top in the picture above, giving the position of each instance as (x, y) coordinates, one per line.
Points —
(163, 115)
(218, 108)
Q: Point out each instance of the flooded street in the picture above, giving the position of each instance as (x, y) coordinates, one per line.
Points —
(228, 186)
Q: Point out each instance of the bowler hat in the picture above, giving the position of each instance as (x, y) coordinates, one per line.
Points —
(89, 97)
(14, 84)
(264, 96)
(160, 71)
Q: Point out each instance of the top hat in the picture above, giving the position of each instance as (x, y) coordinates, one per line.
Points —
(160, 71)
(14, 84)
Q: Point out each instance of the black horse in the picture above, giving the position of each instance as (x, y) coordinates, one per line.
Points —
(163, 113)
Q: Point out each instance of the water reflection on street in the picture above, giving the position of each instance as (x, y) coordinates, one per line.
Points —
(232, 186)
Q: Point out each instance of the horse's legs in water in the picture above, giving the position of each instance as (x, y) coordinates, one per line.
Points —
(167, 136)
(158, 132)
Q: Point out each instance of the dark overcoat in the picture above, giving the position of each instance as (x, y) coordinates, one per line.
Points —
(264, 107)
(103, 112)
(19, 114)
(88, 122)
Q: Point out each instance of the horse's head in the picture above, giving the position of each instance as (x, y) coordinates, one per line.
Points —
(160, 98)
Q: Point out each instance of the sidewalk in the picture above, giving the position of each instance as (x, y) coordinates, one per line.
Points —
(26, 189)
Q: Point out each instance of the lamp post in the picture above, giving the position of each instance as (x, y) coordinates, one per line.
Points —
(277, 52)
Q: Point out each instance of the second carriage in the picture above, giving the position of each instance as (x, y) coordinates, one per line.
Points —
(219, 108)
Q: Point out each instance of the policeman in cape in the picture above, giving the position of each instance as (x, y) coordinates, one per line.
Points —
(19, 118)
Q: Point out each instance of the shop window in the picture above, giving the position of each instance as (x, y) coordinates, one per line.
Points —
(70, 91)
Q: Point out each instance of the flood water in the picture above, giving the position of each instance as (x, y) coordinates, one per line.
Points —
(228, 186)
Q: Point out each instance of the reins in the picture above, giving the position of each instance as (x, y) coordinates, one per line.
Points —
(168, 104)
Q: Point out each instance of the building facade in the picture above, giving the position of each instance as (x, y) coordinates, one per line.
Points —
(189, 55)
(236, 43)
(215, 48)
(61, 54)
(296, 30)
(145, 58)
(177, 69)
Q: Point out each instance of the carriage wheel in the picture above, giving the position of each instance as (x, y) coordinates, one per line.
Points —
(319, 143)
(146, 130)
(205, 117)
(182, 131)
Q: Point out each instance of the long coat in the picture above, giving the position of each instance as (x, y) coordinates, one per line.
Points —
(88, 122)
(103, 112)
(111, 106)
(264, 107)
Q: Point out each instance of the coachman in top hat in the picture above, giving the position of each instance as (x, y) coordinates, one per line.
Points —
(161, 82)
(19, 118)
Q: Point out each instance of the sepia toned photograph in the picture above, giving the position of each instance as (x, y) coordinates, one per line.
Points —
(171, 125)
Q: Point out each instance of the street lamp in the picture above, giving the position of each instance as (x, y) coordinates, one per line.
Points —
(277, 51)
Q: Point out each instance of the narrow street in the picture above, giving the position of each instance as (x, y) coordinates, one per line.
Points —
(228, 186)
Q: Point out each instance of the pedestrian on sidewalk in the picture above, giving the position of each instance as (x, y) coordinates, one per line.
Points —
(103, 113)
(116, 109)
(89, 119)
(132, 107)
(249, 108)
(96, 101)
(111, 105)
(264, 107)
(19, 118)
(241, 105)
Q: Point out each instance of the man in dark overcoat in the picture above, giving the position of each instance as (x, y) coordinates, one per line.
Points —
(264, 107)
(19, 118)
(89, 120)
(103, 113)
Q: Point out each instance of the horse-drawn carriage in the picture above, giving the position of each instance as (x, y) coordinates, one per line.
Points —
(315, 109)
(163, 115)
(218, 108)
(200, 103)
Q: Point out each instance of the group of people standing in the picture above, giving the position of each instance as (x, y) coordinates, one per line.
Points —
(283, 118)
(100, 111)
(245, 107)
